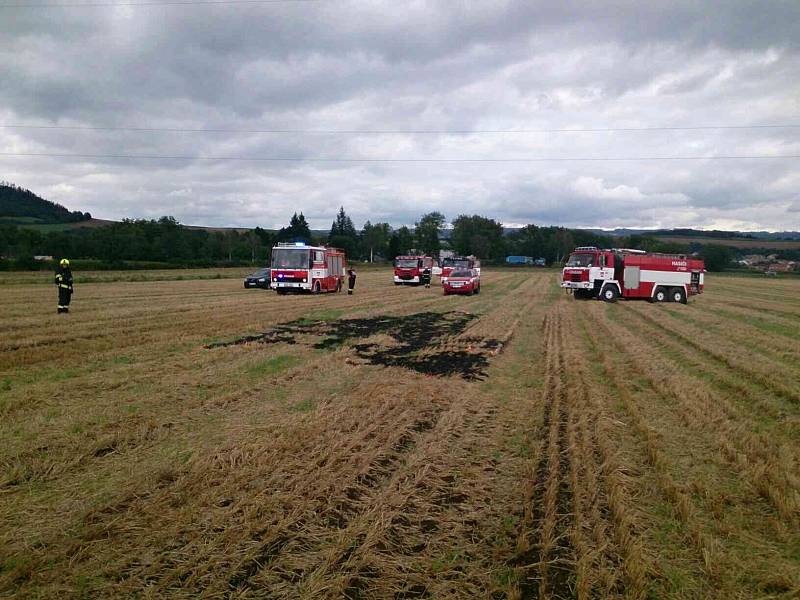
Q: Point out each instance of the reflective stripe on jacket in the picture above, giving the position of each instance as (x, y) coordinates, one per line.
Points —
(64, 281)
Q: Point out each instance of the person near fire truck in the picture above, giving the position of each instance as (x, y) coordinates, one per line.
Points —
(351, 281)
(64, 283)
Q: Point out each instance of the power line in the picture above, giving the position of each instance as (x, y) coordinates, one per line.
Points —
(396, 160)
(399, 131)
(154, 3)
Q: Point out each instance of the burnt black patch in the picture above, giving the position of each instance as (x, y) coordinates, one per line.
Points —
(418, 341)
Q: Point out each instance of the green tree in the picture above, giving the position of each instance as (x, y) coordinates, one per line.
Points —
(400, 242)
(298, 230)
(254, 243)
(8, 236)
(343, 225)
(561, 244)
(528, 241)
(717, 257)
(551, 243)
(267, 241)
(343, 234)
(427, 231)
(479, 236)
(375, 240)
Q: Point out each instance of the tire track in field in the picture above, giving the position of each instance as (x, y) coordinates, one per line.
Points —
(547, 557)
(610, 556)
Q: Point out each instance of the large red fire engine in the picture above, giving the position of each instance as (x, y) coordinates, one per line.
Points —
(413, 269)
(460, 263)
(609, 274)
(297, 267)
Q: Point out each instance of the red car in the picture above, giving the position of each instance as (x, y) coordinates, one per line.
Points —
(462, 281)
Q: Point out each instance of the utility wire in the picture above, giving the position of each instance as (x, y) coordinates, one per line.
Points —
(397, 160)
(399, 131)
(155, 3)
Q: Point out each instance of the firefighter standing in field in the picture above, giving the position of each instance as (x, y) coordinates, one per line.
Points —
(351, 280)
(64, 283)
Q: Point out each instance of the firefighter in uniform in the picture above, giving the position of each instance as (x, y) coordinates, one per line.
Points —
(351, 281)
(64, 283)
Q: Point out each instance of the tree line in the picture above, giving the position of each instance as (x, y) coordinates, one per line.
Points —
(166, 242)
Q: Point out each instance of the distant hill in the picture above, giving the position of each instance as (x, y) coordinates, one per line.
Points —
(23, 207)
(700, 233)
(742, 243)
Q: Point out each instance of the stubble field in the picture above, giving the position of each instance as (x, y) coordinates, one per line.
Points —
(189, 438)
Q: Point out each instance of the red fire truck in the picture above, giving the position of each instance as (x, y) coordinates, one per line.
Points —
(297, 267)
(461, 263)
(610, 274)
(413, 269)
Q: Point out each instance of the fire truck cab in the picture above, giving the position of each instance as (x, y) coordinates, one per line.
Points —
(459, 263)
(297, 267)
(413, 269)
(623, 273)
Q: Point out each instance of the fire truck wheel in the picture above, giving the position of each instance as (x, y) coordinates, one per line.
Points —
(677, 294)
(338, 286)
(609, 294)
(660, 295)
(316, 288)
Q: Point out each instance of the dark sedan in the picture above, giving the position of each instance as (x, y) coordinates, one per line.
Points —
(259, 279)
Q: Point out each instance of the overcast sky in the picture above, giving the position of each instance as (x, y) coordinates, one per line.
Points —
(410, 66)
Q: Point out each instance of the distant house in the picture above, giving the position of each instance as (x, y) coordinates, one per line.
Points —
(782, 266)
(769, 262)
(43, 258)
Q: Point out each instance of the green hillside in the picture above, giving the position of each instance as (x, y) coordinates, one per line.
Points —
(23, 207)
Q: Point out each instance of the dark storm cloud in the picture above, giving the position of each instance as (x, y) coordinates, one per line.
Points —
(416, 65)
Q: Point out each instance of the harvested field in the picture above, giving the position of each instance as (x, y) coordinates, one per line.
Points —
(189, 438)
